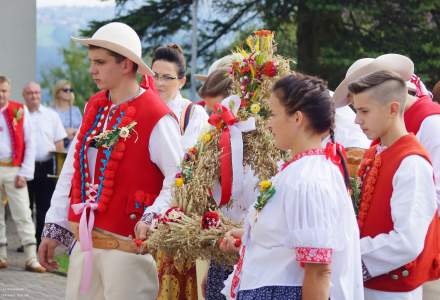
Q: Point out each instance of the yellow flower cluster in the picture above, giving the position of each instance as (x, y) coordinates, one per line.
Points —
(264, 185)
(179, 181)
(206, 138)
(255, 108)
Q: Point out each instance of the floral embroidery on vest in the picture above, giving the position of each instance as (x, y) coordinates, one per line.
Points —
(83, 187)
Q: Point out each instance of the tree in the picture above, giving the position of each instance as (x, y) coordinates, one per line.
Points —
(324, 36)
(75, 70)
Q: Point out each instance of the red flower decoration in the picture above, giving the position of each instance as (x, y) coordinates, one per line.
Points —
(245, 69)
(269, 69)
(173, 214)
(263, 32)
(210, 219)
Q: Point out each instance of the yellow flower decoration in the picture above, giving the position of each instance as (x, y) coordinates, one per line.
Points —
(206, 137)
(255, 108)
(179, 182)
(264, 185)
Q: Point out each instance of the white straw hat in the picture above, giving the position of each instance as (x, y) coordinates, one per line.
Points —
(400, 64)
(120, 38)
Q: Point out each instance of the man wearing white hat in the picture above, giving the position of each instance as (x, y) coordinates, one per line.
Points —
(422, 118)
(123, 160)
(422, 115)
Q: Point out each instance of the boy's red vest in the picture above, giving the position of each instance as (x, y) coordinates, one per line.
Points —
(378, 220)
(419, 111)
(14, 115)
(137, 181)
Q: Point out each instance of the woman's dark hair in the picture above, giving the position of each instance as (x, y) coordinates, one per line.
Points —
(308, 94)
(172, 53)
(218, 83)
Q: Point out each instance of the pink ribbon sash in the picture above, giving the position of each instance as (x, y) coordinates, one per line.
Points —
(85, 236)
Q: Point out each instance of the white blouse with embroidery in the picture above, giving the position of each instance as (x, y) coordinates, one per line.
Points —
(309, 219)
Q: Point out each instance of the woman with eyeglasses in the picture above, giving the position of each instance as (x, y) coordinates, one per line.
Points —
(177, 280)
(169, 69)
(63, 98)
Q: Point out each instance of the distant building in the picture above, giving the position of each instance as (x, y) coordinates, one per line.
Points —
(18, 43)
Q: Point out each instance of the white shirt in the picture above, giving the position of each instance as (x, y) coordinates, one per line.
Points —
(413, 207)
(311, 208)
(47, 130)
(429, 137)
(237, 210)
(197, 122)
(347, 132)
(165, 151)
(28, 164)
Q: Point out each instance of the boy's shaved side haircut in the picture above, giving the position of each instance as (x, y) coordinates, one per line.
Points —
(383, 86)
(4, 79)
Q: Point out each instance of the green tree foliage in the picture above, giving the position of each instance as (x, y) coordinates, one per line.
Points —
(324, 37)
(75, 70)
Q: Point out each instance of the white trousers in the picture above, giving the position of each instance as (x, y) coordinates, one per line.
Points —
(19, 206)
(116, 275)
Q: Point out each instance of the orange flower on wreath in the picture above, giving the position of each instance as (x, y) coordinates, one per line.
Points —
(263, 32)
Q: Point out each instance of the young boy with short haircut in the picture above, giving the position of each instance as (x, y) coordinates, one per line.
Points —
(397, 214)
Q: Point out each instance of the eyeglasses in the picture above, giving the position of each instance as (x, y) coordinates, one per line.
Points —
(165, 77)
(67, 90)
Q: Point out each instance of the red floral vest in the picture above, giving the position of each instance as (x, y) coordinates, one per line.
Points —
(376, 218)
(14, 116)
(131, 181)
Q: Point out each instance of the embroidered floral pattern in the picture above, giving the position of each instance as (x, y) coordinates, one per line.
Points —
(313, 255)
(272, 292)
(93, 123)
(365, 274)
(149, 217)
(300, 155)
(217, 274)
(56, 232)
(236, 278)
(368, 172)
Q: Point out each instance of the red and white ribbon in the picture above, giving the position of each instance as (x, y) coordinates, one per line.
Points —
(231, 144)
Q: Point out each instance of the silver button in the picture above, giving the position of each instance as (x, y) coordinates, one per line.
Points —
(394, 276)
(405, 273)
(133, 217)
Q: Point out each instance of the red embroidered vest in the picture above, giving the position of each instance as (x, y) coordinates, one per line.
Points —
(14, 116)
(419, 111)
(137, 181)
(378, 220)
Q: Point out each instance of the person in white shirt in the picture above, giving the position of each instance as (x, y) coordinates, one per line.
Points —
(106, 184)
(17, 155)
(422, 117)
(169, 69)
(300, 239)
(48, 132)
(397, 217)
